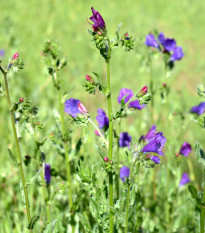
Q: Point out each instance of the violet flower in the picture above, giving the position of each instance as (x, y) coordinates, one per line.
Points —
(124, 139)
(47, 173)
(97, 20)
(199, 109)
(2, 53)
(185, 149)
(156, 145)
(102, 119)
(155, 159)
(151, 134)
(184, 180)
(129, 94)
(71, 107)
(165, 45)
(124, 173)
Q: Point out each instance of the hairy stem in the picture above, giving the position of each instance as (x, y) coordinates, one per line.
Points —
(17, 146)
(202, 219)
(111, 214)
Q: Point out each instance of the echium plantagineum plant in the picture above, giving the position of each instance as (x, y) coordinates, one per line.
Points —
(199, 196)
(139, 154)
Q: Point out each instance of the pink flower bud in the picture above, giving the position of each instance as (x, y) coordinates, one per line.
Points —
(177, 154)
(164, 84)
(148, 156)
(126, 35)
(15, 56)
(97, 133)
(99, 33)
(142, 92)
(21, 100)
(105, 159)
(89, 78)
(82, 108)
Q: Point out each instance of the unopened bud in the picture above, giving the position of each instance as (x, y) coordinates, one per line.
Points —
(164, 84)
(177, 154)
(89, 78)
(97, 133)
(15, 56)
(105, 159)
(142, 92)
(148, 156)
(82, 109)
(21, 100)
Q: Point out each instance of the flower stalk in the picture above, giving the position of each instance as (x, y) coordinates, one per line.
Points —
(202, 219)
(111, 214)
(17, 146)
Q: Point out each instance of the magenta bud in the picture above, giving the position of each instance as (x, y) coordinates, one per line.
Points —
(105, 159)
(89, 78)
(126, 35)
(148, 156)
(177, 154)
(97, 133)
(15, 56)
(99, 33)
(164, 84)
(82, 109)
(142, 92)
(21, 100)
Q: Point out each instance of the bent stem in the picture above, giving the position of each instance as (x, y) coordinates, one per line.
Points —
(202, 219)
(17, 145)
(128, 196)
(111, 214)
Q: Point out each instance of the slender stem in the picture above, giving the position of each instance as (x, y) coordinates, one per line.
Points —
(202, 220)
(118, 161)
(66, 148)
(111, 217)
(128, 196)
(17, 146)
(95, 126)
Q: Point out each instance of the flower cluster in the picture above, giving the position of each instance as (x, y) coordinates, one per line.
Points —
(165, 45)
(199, 109)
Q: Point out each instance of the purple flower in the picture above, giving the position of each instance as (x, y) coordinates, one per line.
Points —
(125, 92)
(71, 107)
(97, 20)
(185, 179)
(124, 139)
(136, 104)
(124, 173)
(151, 134)
(151, 41)
(156, 145)
(155, 159)
(102, 119)
(177, 54)
(168, 46)
(199, 109)
(47, 173)
(185, 149)
(2, 53)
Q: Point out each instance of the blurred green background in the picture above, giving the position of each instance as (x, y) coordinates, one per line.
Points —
(26, 24)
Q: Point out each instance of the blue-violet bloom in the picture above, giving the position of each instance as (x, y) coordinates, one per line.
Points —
(151, 134)
(124, 173)
(167, 46)
(47, 173)
(102, 119)
(184, 180)
(156, 145)
(2, 53)
(185, 149)
(199, 109)
(71, 107)
(124, 139)
(155, 159)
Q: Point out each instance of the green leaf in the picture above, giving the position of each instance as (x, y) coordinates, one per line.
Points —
(34, 178)
(33, 221)
(199, 153)
(12, 156)
(53, 227)
(193, 191)
(85, 223)
(118, 31)
(99, 151)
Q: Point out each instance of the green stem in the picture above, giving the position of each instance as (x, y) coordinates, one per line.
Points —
(202, 219)
(65, 145)
(17, 146)
(118, 162)
(128, 196)
(111, 214)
